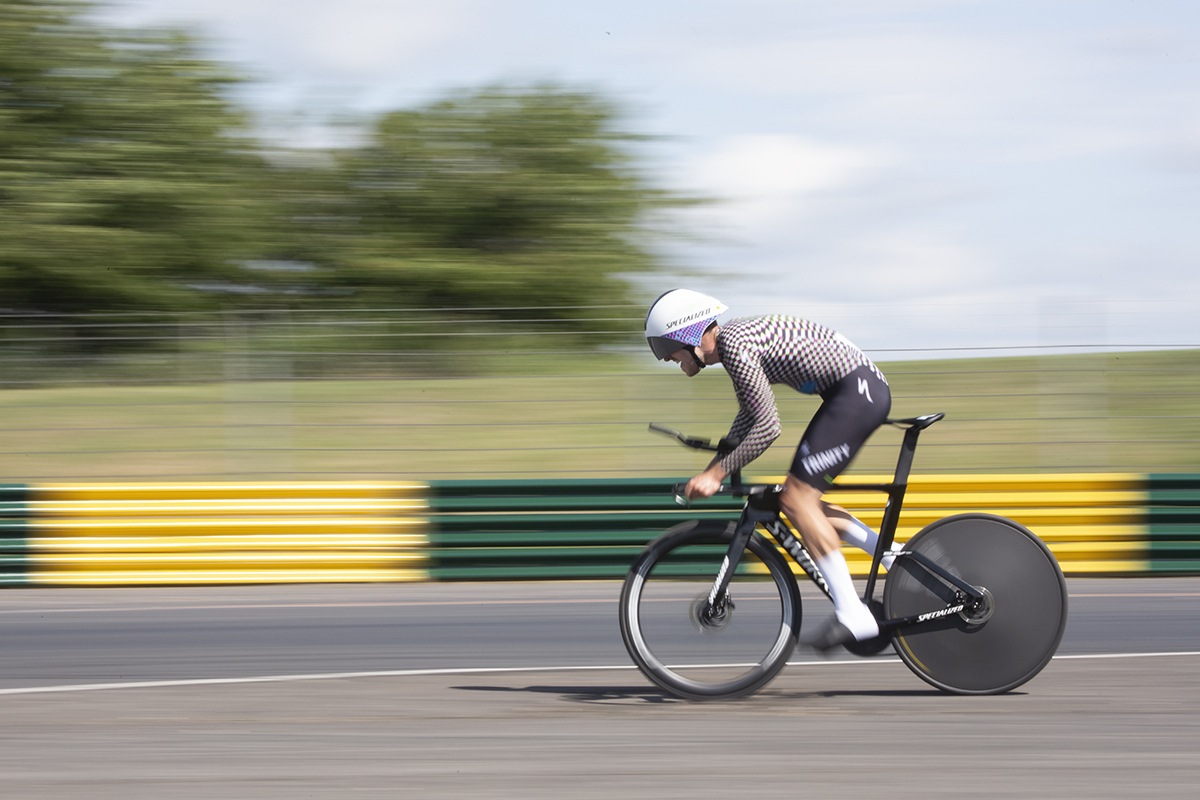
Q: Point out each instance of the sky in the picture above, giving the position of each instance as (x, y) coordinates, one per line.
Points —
(930, 177)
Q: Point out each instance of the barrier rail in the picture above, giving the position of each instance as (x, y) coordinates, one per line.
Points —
(213, 533)
(524, 530)
(118, 534)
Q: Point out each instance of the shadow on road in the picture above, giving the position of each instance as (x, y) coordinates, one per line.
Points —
(650, 694)
(586, 694)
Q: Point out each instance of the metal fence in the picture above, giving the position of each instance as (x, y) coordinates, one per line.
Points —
(536, 392)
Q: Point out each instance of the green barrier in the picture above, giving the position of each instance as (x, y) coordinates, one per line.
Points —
(14, 509)
(489, 530)
(535, 530)
(1174, 523)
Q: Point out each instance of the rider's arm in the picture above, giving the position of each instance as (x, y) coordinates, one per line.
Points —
(757, 423)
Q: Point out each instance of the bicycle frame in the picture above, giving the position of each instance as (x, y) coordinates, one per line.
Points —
(762, 508)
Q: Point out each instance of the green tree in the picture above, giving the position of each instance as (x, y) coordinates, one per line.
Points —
(504, 197)
(126, 180)
(129, 181)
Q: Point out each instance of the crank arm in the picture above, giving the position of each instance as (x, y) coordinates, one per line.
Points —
(928, 616)
(941, 574)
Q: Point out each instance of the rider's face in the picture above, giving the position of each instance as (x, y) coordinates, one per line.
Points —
(686, 361)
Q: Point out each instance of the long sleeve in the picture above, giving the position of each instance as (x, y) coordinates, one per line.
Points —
(757, 423)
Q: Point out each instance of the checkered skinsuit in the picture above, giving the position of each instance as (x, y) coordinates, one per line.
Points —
(760, 351)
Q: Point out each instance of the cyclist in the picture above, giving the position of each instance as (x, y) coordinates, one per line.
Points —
(681, 326)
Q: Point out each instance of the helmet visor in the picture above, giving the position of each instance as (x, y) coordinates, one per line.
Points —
(662, 347)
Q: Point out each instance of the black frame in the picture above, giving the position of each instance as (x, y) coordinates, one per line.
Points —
(762, 508)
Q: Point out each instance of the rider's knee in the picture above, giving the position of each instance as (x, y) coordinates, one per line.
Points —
(835, 511)
(799, 495)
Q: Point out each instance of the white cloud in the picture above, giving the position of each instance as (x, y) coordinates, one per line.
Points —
(899, 65)
(908, 262)
(899, 265)
(763, 181)
(1022, 93)
(360, 37)
(779, 165)
(351, 40)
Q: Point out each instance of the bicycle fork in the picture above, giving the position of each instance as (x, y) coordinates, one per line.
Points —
(718, 596)
(761, 509)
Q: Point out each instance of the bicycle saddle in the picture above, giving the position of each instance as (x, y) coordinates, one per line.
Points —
(919, 423)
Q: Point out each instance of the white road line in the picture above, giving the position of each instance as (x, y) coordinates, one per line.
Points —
(1130, 655)
(397, 673)
(407, 673)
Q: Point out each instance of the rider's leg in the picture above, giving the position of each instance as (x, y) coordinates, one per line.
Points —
(851, 410)
(802, 505)
(854, 531)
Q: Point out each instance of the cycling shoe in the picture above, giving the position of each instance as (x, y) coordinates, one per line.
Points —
(831, 634)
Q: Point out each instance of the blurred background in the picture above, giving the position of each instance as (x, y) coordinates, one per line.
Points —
(294, 241)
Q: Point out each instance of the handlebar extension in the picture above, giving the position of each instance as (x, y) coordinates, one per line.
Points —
(695, 442)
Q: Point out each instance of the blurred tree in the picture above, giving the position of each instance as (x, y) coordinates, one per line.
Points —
(129, 181)
(497, 198)
(124, 180)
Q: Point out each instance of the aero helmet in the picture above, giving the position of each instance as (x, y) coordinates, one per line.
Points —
(678, 319)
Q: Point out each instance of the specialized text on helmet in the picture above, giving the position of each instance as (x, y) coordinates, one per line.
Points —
(689, 318)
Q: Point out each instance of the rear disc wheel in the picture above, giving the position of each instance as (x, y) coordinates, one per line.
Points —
(1007, 638)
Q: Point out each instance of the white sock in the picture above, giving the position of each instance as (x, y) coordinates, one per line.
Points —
(849, 609)
(865, 539)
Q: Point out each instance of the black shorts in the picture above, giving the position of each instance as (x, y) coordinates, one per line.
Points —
(852, 409)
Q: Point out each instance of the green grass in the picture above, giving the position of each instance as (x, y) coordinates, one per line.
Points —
(586, 416)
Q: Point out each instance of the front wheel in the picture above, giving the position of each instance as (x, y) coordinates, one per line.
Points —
(1010, 637)
(690, 649)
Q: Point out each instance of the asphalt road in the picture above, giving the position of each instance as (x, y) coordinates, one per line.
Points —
(575, 718)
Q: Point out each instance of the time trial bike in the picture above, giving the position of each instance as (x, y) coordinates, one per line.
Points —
(973, 603)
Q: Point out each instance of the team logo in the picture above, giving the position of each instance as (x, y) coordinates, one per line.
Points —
(826, 459)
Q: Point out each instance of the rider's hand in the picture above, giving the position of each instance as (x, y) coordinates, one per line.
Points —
(706, 483)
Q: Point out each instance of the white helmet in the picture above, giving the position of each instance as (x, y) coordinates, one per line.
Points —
(678, 319)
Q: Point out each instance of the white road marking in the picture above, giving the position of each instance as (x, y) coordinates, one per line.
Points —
(1130, 655)
(405, 673)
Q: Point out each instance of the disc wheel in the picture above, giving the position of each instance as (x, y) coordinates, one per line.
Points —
(690, 648)
(1010, 636)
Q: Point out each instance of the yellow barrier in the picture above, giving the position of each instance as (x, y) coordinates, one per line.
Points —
(1094, 523)
(226, 533)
